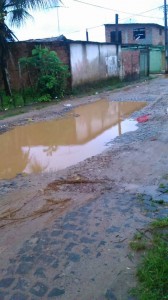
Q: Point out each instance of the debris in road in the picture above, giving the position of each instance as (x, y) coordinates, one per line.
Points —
(143, 119)
(68, 105)
(76, 115)
(30, 120)
(59, 201)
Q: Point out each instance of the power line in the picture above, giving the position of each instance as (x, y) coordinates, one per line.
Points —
(143, 12)
(107, 8)
(119, 11)
(93, 27)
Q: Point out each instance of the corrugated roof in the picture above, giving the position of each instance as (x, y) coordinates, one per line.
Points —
(60, 38)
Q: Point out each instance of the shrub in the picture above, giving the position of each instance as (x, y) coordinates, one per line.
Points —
(48, 72)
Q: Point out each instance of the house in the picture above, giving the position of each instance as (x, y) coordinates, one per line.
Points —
(136, 34)
(147, 38)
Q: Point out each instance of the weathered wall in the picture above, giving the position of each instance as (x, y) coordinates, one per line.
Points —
(130, 67)
(92, 62)
(23, 49)
(87, 62)
(158, 37)
(154, 34)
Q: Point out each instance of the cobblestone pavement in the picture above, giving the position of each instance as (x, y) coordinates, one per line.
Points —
(80, 256)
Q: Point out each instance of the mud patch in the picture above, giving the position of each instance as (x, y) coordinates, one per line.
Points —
(78, 182)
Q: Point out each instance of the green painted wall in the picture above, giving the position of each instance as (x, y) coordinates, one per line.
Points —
(155, 61)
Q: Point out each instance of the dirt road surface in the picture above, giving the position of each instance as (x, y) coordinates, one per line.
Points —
(66, 235)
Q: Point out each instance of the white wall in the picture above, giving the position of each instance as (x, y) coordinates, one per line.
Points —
(92, 62)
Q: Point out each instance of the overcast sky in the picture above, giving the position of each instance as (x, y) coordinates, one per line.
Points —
(73, 17)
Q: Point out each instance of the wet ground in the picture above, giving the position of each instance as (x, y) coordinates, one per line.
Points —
(65, 235)
(55, 145)
(84, 255)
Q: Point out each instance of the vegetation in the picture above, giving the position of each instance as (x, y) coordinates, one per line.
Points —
(16, 11)
(49, 74)
(99, 86)
(153, 271)
(160, 223)
(138, 242)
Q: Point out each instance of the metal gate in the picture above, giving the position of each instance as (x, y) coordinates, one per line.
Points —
(144, 63)
(156, 61)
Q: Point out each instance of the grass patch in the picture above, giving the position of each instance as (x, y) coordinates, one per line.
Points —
(138, 245)
(161, 185)
(158, 201)
(102, 85)
(152, 273)
(99, 86)
(11, 114)
(26, 100)
(140, 196)
(160, 223)
(10, 110)
(139, 242)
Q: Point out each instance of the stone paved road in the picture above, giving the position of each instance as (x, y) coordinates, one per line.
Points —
(85, 255)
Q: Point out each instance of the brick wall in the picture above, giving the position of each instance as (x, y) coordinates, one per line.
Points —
(23, 49)
(130, 68)
(154, 34)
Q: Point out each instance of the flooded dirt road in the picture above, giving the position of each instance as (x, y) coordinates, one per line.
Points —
(57, 144)
(65, 234)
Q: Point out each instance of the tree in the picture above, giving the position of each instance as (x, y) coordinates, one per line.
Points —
(17, 13)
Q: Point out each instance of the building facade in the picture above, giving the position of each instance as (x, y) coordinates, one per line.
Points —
(136, 34)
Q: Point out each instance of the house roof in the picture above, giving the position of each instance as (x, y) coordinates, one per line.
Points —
(136, 24)
(60, 38)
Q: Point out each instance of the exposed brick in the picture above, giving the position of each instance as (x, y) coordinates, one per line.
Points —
(130, 64)
(23, 49)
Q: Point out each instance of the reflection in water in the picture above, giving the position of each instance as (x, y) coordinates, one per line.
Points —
(55, 145)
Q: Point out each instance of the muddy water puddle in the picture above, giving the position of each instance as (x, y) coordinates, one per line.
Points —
(57, 144)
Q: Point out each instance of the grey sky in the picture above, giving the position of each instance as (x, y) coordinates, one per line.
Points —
(73, 19)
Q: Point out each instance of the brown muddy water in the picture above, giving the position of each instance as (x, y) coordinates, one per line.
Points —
(54, 145)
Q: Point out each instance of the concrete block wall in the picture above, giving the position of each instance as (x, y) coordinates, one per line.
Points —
(92, 62)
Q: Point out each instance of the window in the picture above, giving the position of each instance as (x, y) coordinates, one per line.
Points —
(160, 31)
(114, 38)
(139, 34)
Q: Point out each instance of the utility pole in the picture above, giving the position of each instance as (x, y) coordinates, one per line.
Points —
(87, 35)
(116, 30)
(166, 37)
(117, 40)
(58, 20)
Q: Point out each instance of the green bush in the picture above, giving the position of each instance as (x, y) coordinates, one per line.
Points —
(44, 98)
(49, 74)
